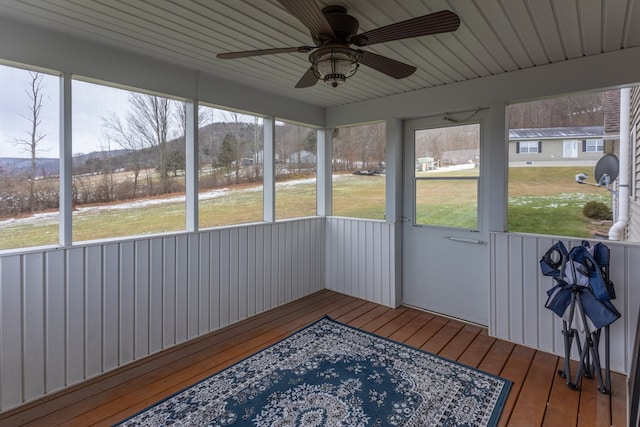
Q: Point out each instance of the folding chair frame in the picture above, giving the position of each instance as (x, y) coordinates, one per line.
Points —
(588, 349)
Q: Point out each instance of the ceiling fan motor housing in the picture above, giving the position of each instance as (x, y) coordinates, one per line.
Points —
(344, 26)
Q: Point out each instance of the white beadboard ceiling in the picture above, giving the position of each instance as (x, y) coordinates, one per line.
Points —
(495, 36)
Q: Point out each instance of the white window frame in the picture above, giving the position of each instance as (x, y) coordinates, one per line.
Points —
(594, 146)
(529, 147)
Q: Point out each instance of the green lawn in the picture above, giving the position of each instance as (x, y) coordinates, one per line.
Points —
(359, 196)
(541, 200)
(549, 201)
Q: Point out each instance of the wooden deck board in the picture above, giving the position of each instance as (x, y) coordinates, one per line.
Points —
(562, 409)
(428, 330)
(531, 405)
(477, 350)
(382, 320)
(538, 396)
(397, 323)
(410, 328)
(460, 342)
(516, 367)
(437, 342)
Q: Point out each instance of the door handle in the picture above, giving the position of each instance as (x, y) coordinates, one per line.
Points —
(465, 240)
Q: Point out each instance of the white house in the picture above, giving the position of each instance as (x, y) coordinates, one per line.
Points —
(562, 146)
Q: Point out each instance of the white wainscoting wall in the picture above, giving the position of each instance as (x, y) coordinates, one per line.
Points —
(361, 259)
(70, 314)
(518, 294)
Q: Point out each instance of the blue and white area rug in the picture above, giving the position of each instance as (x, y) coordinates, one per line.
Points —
(330, 374)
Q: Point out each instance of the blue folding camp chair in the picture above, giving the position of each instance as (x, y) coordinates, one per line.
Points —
(582, 298)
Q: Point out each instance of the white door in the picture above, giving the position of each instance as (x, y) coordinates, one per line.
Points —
(570, 148)
(445, 256)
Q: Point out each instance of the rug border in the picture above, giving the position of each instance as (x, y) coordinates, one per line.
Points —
(492, 421)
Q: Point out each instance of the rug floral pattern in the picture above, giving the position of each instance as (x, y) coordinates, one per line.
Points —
(330, 374)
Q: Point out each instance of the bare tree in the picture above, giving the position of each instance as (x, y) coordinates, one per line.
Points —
(229, 157)
(31, 144)
(257, 147)
(149, 120)
(576, 110)
(124, 136)
(234, 145)
(344, 147)
(205, 116)
(373, 145)
(146, 125)
(292, 143)
(295, 146)
(364, 142)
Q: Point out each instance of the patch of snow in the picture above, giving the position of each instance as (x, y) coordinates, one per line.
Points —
(50, 217)
(295, 182)
(460, 167)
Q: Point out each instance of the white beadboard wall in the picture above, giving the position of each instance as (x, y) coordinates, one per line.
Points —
(361, 259)
(518, 294)
(69, 314)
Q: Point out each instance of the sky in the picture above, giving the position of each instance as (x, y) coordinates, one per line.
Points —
(14, 104)
(91, 104)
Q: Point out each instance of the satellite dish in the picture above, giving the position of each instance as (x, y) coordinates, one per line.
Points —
(606, 170)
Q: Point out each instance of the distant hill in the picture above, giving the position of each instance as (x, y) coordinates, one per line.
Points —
(211, 137)
(21, 166)
(48, 166)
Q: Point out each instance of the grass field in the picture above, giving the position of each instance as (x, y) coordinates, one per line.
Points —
(549, 201)
(541, 200)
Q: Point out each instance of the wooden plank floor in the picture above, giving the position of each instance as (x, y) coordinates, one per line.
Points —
(539, 397)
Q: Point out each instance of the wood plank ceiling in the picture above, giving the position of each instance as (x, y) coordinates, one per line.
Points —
(495, 36)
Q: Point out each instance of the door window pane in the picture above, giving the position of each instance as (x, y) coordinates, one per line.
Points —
(450, 202)
(446, 176)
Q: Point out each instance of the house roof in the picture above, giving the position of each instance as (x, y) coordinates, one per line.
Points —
(495, 37)
(584, 132)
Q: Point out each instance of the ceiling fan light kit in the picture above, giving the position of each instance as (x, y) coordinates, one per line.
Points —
(333, 31)
(334, 64)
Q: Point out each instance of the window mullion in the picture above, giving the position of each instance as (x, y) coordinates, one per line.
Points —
(269, 169)
(66, 157)
(191, 165)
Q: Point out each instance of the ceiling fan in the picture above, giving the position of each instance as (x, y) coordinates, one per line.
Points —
(334, 32)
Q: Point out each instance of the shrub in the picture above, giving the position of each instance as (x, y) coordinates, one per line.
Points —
(596, 210)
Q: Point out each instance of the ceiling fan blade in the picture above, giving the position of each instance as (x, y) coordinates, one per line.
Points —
(440, 22)
(388, 66)
(308, 79)
(309, 13)
(260, 52)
